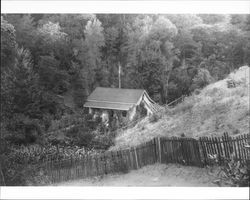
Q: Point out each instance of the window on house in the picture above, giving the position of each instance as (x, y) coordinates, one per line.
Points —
(124, 113)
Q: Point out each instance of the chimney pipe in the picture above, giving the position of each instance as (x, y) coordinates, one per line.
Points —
(119, 73)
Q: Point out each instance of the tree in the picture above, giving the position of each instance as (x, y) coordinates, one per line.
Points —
(23, 113)
(51, 77)
(8, 54)
(8, 45)
(201, 79)
(90, 54)
(25, 29)
(189, 49)
(152, 54)
(213, 18)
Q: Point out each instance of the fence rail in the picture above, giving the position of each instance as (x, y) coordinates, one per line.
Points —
(185, 151)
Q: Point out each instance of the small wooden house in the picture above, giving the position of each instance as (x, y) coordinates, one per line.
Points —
(123, 103)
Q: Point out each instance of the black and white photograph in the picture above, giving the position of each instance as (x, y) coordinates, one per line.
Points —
(125, 99)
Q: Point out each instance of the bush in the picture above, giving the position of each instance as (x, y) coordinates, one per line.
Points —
(235, 174)
(103, 141)
(201, 79)
(85, 139)
(23, 165)
(154, 117)
(18, 167)
(232, 172)
(197, 91)
(23, 130)
(84, 136)
(80, 136)
(231, 83)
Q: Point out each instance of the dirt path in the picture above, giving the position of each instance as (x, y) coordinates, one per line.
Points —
(153, 175)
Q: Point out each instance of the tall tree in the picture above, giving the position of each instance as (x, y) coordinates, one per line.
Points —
(8, 55)
(25, 29)
(90, 54)
(154, 53)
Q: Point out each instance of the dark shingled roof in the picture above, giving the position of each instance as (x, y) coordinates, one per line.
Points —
(113, 98)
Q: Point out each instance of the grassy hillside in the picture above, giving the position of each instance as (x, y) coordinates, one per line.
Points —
(214, 110)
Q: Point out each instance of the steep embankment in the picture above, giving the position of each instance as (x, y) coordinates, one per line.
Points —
(214, 110)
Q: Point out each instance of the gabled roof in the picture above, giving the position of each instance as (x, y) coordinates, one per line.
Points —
(114, 98)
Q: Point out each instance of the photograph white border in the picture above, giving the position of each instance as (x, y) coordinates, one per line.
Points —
(170, 7)
(177, 6)
(172, 193)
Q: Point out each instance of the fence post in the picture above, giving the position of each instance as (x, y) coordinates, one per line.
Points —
(198, 151)
(136, 159)
(159, 147)
(2, 181)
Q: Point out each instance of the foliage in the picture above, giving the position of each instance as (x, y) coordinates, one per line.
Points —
(8, 44)
(155, 117)
(47, 59)
(103, 141)
(201, 79)
(235, 174)
(23, 165)
(231, 172)
(186, 105)
(25, 29)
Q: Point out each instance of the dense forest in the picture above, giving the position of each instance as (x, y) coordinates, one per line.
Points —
(50, 63)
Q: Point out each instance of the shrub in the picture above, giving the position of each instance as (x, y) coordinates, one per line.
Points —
(235, 174)
(23, 130)
(201, 79)
(154, 117)
(103, 141)
(183, 135)
(18, 166)
(80, 135)
(85, 139)
(197, 91)
(232, 172)
(231, 83)
(88, 117)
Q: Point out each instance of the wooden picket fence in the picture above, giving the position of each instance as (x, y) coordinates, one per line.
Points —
(185, 151)
(225, 147)
(180, 150)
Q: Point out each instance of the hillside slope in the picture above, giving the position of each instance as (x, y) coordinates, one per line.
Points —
(214, 110)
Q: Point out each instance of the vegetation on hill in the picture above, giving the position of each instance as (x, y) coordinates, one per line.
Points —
(51, 62)
(218, 108)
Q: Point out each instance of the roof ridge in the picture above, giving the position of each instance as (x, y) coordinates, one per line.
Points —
(118, 102)
(120, 88)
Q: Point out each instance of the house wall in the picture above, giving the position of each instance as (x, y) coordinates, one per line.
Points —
(146, 103)
(132, 113)
(149, 111)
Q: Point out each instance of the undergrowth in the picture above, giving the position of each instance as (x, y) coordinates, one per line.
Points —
(231, 172)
